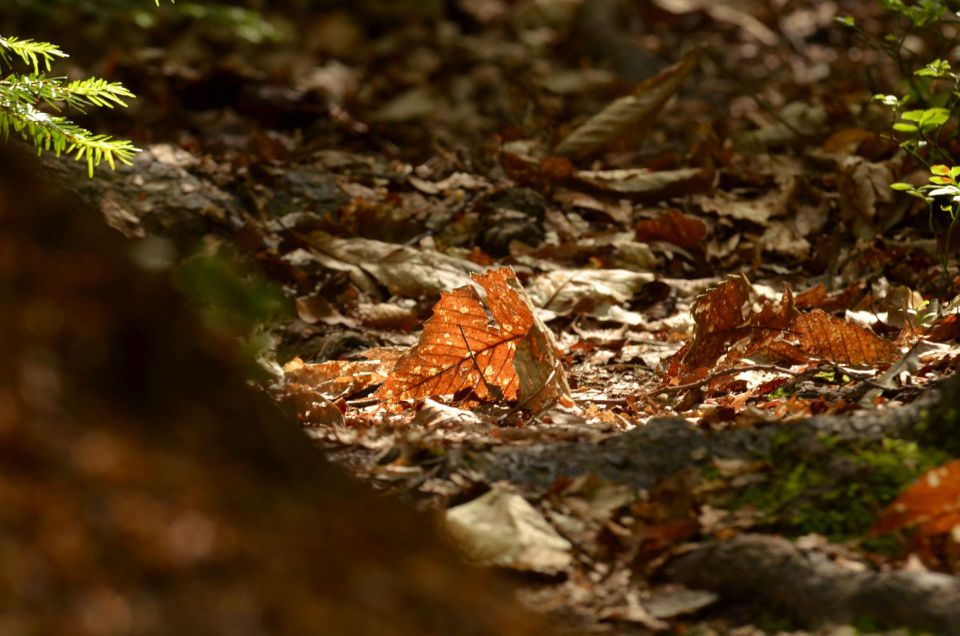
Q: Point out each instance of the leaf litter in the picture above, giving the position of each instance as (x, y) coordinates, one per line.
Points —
(497, 245)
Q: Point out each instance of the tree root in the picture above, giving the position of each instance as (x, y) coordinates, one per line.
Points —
(816, 591)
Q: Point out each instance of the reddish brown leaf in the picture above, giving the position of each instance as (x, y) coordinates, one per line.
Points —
(812, 298)
(832, 339)
(673, 227)
(731, 322)
(931, 504)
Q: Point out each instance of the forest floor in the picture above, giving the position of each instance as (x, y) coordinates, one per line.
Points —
(619, 287)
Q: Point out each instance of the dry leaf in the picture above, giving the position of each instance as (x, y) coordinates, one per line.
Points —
(673, 227)
(626, 112)
(342, 378)
(403, 270)
(501, 528)
(832, 339)
(733, 323)
(513, 356)
(931, 504)
(646, 185)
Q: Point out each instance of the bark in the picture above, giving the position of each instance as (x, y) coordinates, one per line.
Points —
(816, 591)
(665, 446)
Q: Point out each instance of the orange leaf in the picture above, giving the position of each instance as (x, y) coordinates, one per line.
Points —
(932, 504)
(469, 345)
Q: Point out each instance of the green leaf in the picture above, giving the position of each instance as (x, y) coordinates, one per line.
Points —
(901, 187)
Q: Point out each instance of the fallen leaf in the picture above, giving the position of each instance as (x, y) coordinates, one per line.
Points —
(511, 357)
(502, 528)
(931, 504)
(646, 185)
(342, 378)
(673, 227)
(626, 112)
(567, 290)
(732, 322)
(832, 339)
(403, 270)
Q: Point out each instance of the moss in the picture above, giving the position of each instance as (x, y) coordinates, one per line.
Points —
(837, 493)
(939, 427)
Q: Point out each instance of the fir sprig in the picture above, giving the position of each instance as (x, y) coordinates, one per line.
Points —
(30, 51)
(22, 95)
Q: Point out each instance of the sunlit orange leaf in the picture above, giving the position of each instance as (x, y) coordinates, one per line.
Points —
(495, 347)
(931, 504)
(848, 140)
(833, 339)
(673, 227)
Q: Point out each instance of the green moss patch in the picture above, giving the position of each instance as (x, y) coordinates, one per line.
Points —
(836, 491)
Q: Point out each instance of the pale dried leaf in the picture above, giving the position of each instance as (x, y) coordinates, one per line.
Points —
(646, 185)
(626, 112)
(403, 270)
(501, 528)
(566, 290)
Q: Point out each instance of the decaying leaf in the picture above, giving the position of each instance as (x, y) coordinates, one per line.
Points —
(864, 191)
(567, 290)
(730, 12)
(501, 528)
(832, 339)
(931, 504)
(629, 111)
(733, 323)
(403, 270)
(495, 347)
(757, 209)
(673, 227)
(646, 185)
(342, 378)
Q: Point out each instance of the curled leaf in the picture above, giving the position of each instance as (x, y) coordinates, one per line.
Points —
(626, 112)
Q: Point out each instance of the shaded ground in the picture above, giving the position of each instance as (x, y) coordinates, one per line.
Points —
(379, 156)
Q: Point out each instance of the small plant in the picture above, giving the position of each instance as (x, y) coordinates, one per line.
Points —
(921, 117)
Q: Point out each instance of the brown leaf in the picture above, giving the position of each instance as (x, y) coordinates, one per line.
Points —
(673, 227)
(626, 112)
(812, 298)
(646, 185)
(932, 504)
(341, 378)
(832, 339)
(731, 323)
(511, 356)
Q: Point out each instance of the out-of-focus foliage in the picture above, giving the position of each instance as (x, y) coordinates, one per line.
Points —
(921, 118)
(244, 22)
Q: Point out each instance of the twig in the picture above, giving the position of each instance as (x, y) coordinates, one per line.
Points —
(717, 374)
